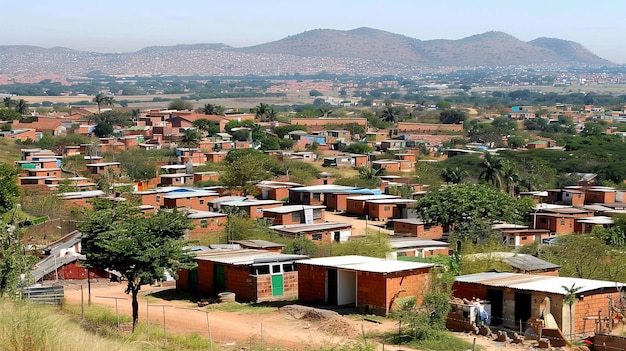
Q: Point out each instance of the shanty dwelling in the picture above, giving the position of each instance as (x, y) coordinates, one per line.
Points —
(205, 222)
(260, 245)
(252, 275)
(384, 209)
(521, 263)
(515, 298)
(586, 224)
(519, 235)
(62, 261)
(414, 247)
(322, 233)
(194, 200)
(366, 283)
(250, 208)
(295, 214)
(357, 204)
(417, 228)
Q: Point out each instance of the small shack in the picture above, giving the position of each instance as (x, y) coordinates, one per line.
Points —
(366, 283)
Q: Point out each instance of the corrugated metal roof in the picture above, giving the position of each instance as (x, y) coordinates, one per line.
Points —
(402, 243)
(257, 243)
(365, 264)
(292, 208)
(297, 228)
(539, 283)
(243, 257)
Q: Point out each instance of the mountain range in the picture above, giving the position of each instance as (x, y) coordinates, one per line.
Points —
(358, 51)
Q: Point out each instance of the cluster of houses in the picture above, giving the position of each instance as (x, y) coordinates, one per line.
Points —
(257, 270)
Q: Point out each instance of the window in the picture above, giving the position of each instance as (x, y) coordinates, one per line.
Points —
(289, 267)
(201, 201)
(386, 208)
(316, 196)
(317, 213)
(295, 217)
(158, 198)
(524, 238)
(276, 269)
(562, 222)
(260, 270)
(316, 236)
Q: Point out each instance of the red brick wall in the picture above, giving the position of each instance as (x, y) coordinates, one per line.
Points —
(205, 276)
(263, 285)
(311, 284)
(589, 306)
(469, 291)
(380, 211)
(378, 300)
(355, 206)
(336, 202)
(603, 342)
(237, 282)
(426, 127)
(182, 283)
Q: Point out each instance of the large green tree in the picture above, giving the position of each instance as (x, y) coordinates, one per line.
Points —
(470, 206)
(141, 247)
(244, 168)
(13, 260)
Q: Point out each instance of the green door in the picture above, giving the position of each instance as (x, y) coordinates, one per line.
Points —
(193, 279)
(277, 285)
(219, 279)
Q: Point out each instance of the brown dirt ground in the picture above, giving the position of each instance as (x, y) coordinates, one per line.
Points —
(293, 326)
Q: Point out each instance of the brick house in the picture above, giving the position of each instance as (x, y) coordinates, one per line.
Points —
(515, 298)
(252, 208)
(295, 214)
(205, 222)
(417, 228)
(414, 247)
(369, 284)
(320, 233)
(252, 275)
(194, 200)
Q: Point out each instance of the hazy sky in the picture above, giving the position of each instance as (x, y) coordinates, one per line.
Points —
(115, 25)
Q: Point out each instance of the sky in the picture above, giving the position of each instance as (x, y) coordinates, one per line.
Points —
(129, 25)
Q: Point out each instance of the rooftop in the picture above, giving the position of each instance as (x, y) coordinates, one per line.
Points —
(365, 264)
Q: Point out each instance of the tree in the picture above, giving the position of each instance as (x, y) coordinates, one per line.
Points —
(443, 105)
(510, 179)
(207, 126)
(370, 173)
(260, 111)
(14, 261)
(102, 100)
(9, 115)
(141, 247)
(21, 107)
(8, 102)
(271, 115)
(103, 129)
(315, 93)
(453, 175)
(472, 205)
(358, 148)
(492, 170)
(191, 139)
(570, 299)
(452, 116)
(211, 109)
(180, 105)
(140, 164)
(389, 114)
(244, 168)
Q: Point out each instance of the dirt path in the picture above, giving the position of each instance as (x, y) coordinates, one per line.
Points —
(227, 328)
(290, 328)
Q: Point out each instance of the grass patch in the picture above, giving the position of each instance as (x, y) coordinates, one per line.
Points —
(435, 341)
(242, 308)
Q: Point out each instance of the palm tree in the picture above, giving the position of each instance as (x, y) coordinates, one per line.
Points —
(492, 170)
(103, 100)
(135, 114)
(191, 139)
(510, 179)
(389, 114)
(261, 111)
(570, 299)
(8, 102)
(453, 175)
(271, 115)
(370, 173)
(210, 109)
(21, 106)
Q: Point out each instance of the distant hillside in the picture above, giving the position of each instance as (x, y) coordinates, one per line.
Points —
(361, 51)
(487, 49)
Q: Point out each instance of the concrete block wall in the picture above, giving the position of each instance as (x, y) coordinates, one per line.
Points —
(263, 286)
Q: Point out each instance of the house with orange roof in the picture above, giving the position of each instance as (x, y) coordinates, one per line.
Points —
(54, 126)
(19, 134)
